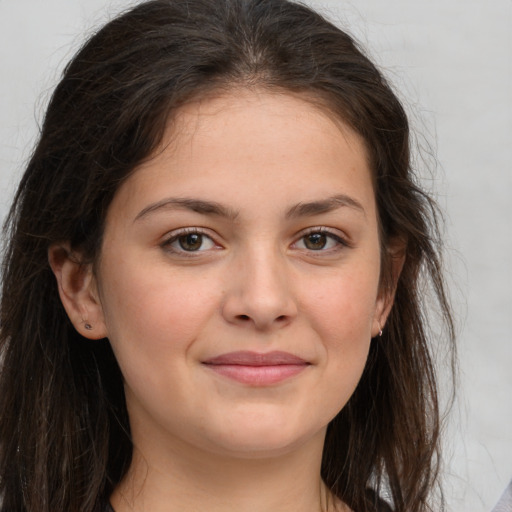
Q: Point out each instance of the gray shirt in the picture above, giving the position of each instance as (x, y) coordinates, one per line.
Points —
(505, 503)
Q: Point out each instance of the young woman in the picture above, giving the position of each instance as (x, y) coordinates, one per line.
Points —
(215, 280)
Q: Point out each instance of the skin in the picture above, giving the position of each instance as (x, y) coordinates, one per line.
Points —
(265, 273)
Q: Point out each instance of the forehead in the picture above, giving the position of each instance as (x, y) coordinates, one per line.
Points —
(301, 113)
(275, 146)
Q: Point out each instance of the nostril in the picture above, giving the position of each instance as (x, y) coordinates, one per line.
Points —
(243, 317)
(281, 318)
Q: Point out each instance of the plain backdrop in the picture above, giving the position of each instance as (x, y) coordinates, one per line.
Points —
(451, 61)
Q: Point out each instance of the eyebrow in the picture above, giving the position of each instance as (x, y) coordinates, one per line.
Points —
(204, 207)
(324, 206)
(195, 205)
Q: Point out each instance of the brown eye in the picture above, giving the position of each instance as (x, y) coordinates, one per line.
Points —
(320, 241)
(315, 241)
(191, 241)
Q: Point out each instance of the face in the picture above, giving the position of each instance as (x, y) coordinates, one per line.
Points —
(238, 281)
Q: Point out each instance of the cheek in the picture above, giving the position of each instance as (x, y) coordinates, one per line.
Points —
(153, 318)
(345, 308)
(150, 311)
(342, 317)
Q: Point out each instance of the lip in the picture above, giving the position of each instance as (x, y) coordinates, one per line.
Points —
(257, 369)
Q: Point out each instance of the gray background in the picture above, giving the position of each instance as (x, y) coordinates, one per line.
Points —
(451, 62)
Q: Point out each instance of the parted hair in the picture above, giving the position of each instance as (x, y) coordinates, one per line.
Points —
(64, 429)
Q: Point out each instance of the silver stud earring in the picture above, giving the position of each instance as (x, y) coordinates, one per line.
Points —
(380, 330)
(88, 326)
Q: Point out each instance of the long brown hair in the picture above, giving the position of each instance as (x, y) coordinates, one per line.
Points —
(64, 430)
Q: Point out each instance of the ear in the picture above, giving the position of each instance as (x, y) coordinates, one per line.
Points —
(395, 259)
(78, 291)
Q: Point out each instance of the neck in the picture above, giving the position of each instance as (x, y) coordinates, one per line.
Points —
(188, 480)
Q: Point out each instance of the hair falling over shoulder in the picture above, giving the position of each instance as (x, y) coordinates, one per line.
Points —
(64, 431)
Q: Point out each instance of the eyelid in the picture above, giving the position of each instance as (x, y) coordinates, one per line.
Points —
(341, 239)
(174, 235)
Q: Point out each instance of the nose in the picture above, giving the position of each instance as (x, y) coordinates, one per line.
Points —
(260, 294)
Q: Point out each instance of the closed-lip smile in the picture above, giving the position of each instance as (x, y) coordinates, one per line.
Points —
(255, 368)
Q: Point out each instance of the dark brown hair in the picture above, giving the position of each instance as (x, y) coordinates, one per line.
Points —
(64, 431)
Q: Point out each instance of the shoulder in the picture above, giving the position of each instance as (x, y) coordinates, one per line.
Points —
(505, 503)
(376, 503)
(373, 503)
(382, 506)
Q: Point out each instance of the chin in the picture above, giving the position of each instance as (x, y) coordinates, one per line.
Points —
(259, 439)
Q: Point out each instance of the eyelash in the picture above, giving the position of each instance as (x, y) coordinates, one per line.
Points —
(340, 242)
(167, 244)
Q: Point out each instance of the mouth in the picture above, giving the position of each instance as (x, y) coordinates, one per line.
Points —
(257, 369)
